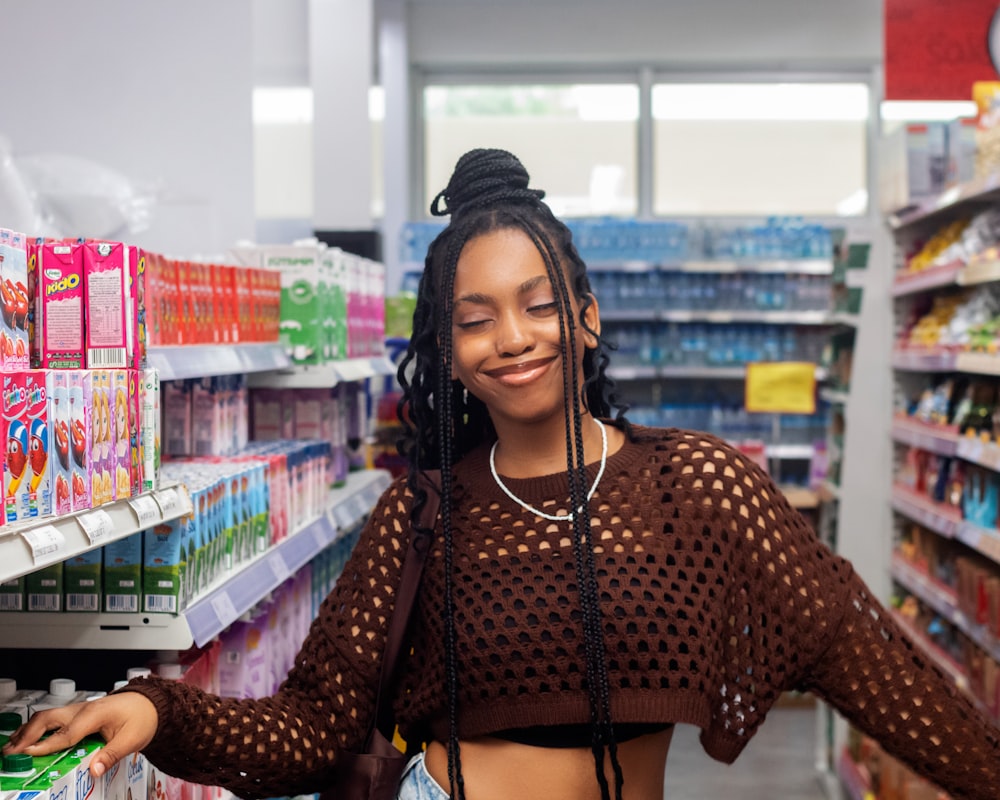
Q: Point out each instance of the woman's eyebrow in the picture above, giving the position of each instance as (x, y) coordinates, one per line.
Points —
(479, 298)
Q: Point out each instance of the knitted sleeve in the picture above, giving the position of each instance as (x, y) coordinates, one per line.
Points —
(288, 744)
(806, 620)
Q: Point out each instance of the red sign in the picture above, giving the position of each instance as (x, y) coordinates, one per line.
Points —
(936, 50)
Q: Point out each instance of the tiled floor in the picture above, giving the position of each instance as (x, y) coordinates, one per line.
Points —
(777, 764)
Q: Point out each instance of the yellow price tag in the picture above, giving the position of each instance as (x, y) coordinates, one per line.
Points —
(782, 387)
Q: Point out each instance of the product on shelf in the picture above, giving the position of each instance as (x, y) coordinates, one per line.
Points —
(14, 300)
(59, 308)
(107, 303)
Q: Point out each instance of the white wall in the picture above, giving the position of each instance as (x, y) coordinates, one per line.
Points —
(778, 33)
(160, 91)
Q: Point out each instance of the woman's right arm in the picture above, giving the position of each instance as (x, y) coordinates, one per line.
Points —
(285, 744)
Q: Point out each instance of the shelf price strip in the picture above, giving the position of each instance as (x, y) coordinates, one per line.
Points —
(279, 568)
(146, 510)
(915, 508)
(224, 610)
(943, 443)
(98, 525)
(169, 501)
(983, 540)
(46, 543)
(986, 454)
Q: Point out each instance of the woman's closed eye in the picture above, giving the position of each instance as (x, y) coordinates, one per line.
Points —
(542, 309)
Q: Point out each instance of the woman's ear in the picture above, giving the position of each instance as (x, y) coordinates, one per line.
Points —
(592, 322)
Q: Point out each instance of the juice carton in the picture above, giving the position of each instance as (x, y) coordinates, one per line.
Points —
(267, 414)
(301, 308)
(161, 562)
(59, 324)
(337, 307)
(114, 785)
(79, 758)
(308, 414)
(123, 574)
(190, 542)
(182, 282)
(135, 320)
(150, 429)
(60, 440)
(177, 421)
(121, 439)
(136, 771)
(243, 305)
(14, 300)
(134, 436)
(34, 244)
(82, 582)
(206, 416)
(43, 589)
(14, 428)
(39, 488)
(100, 431)
(12, 595)
(80, 389)
(106, 300)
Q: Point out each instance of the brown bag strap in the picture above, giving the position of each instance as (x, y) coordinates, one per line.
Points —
(421, 540)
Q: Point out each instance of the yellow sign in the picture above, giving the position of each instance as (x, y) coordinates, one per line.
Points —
(783, 387)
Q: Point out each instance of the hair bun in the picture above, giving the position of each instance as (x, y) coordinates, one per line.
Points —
(482, 178)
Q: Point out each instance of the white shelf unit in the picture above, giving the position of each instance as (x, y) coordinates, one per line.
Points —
(324, 375)
(195, 361)
(28, 546)
(215, 610)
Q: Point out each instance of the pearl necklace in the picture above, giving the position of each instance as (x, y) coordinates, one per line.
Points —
(531, 508)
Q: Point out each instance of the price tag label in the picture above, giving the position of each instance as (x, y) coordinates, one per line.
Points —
(98, 525)
(44, 542)
(224, 609)
(279, 567)
(343, 515)
(319, 536)
(361, 507)
(169, 501)
(146, 510)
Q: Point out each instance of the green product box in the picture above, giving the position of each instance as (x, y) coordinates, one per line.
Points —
(43, 590)
(161, 568)
(82, 582)
(301, 330)
(123, 575)
(12, 595)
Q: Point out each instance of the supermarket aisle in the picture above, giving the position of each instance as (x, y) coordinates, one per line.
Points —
(778, 763)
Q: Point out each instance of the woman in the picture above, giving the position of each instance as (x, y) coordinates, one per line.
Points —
(593, 583)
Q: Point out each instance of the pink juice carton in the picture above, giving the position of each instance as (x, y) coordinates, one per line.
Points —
(101, 437)
(80, 389)
(14, 427)
(121, 439)
(14, 300)
(59, 318)
(34, 245)
(39, 489)
(135, 312)
(106, 297)
(60, 464)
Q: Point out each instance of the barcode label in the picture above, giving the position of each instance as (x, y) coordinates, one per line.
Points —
(107, 357)
(11, 602)
(44, 602)
(161, 603)
(122, 603)
(82, 602)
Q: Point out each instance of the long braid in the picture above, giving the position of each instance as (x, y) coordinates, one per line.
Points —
(489, 191)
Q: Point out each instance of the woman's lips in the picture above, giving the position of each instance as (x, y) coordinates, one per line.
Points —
(521, 373)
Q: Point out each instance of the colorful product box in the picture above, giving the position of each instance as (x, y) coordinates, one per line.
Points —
(135, 330)
(161, 567)
(177, 439)
(121, 441)
(80, 388)
(136, 771)
(150, 429)
(101, 428)
(135, 435)
(82, 582)
(122, 580)
(14, 428)
(301, 303)
(60, 439)
(39, 487)
(33, 247)
(43, 589)
(107, 303)
(207, 405)
(12, 595)
(14, 301)
(59, 325)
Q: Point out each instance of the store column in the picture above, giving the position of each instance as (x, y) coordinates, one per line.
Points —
(340, 66)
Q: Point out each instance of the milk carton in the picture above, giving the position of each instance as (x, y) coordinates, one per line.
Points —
(59, 311)
(120, 463)
(60, 441)
(114, 784)
(123, 574)
(177, 428)
(14, 301)
(12, 596)
(106, 298)
(82, 582)
(136, 770)
(80, 389)
(150, 430)
(43, 589)
(39, 489)
(161, 573)
(14, 429)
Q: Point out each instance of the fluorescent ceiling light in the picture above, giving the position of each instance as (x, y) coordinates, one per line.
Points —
(376, 103)
(282, 105)
(847, 102)
(927, 111)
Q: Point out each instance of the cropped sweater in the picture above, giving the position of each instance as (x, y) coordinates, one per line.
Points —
(715, 595)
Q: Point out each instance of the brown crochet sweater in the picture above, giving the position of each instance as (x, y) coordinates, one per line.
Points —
(716, 597)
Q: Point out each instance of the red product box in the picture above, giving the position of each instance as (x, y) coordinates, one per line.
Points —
(106, 300)
(39, 488)
(59, 326)
(217, 284)
(135, 319)
(243, 312)
(252, 331)
(60, 441)
(14, 427)
(80, 389)
(185, 302)
(232, 304)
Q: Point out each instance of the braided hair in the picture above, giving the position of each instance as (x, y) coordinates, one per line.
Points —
(489, 191)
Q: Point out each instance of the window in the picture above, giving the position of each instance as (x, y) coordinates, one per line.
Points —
(594, 124)
(755, 149)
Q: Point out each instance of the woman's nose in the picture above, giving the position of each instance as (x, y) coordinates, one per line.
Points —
(514, 336)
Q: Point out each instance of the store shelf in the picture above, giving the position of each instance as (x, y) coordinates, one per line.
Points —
(751, 316)
(938, 517)
(855, 278)
(983, 540)
(978, 363)
(27, 547)
(944, 661)
(789, 452)
(212, 612)
(936, 439)
(985, 454)
(800, 497)
(980, 189)
(842, 318)
(834, 396)
(979, 272)
(195, 361)
(906, 283)
(829, 492)
(804, 266)
(325, 375)
(854, 778)
(640, 372)
(924, 360)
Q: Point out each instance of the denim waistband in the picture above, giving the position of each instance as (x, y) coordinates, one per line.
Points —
(417, 783)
